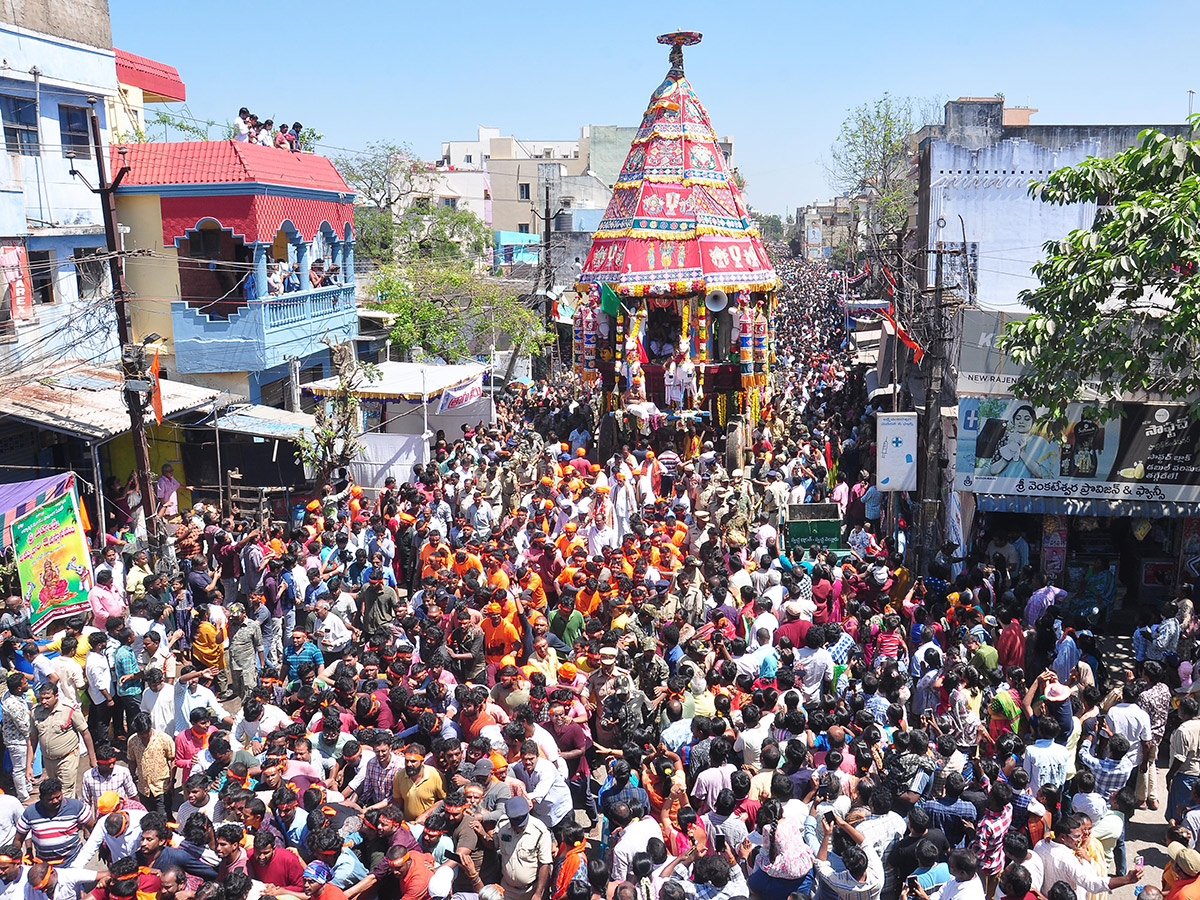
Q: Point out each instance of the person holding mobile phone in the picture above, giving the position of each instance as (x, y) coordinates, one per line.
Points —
(863, 876)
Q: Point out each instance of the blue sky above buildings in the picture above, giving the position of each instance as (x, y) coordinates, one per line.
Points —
(777, 76)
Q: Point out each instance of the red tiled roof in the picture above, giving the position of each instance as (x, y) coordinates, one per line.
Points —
(224, 162)
(151, 76)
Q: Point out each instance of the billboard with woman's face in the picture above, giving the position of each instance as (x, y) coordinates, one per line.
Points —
(1151, 452)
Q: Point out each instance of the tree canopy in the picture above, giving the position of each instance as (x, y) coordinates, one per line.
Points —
(452, 310)
(871, 159)
(384, 176)
(1118, 307)
(769, 226)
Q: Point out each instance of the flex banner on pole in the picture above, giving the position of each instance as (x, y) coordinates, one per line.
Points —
(53, 562)
(896, 451)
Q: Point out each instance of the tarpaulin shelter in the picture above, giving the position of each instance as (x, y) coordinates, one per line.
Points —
(449, 397)
(679, 288)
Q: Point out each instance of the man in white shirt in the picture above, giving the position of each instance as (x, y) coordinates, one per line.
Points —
(10, 813)
(814, 663)
(71, 680)
(862, 877)
(637, 827)
(158, 699)
(1130, 720)
(764, 618)
(547, 790)
(1060, 863)
(241, 126)
(113, 563)
(191, 694)
(255, 721)
(98, 673)
(332, 633)
(964, 883)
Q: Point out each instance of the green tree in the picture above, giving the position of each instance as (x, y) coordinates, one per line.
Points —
(769, 226)
(871, 159)
(385, 177)
(1118, 307)
(451, 309)
(425, 230)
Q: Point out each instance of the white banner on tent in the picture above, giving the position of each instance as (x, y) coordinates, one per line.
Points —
(386, 454)
(453, 398)
(896, 451)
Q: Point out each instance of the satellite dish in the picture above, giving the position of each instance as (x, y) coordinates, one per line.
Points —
(716, 301)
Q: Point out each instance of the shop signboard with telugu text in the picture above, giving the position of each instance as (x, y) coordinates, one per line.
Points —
(823, 533)
(1150, 453)
(53, 561)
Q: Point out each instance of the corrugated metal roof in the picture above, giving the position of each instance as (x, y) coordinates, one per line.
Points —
(224, 162)
(152, 76)
(265, 421)
(85, 400)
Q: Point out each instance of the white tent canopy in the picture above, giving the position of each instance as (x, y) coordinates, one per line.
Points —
(406, 381)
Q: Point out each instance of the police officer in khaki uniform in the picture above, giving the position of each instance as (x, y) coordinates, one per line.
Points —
(57, 728)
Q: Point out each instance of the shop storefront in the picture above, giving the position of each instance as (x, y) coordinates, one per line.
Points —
(1107, 507)
(1104, 561)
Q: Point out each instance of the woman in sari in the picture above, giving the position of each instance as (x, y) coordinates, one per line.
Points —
(207, 649)
(570, 864)
(1091, 853)
(1004, 713)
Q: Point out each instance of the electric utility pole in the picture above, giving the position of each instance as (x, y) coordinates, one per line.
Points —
(133, 356)
(931, 480)
(546, 277)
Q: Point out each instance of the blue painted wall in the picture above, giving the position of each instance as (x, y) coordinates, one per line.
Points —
(41, 202)
(263, 335)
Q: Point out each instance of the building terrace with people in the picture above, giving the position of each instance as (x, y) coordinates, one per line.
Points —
(242, 259)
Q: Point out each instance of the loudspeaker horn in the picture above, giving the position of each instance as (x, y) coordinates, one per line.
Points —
(716, 301)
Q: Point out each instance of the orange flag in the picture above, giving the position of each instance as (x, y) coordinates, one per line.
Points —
(156, 390)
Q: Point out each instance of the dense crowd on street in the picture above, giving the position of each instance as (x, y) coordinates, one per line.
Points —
(529, 672)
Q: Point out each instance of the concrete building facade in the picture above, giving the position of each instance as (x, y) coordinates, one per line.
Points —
(57, 56)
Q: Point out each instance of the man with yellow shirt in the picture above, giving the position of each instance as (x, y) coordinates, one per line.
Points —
(417, 787)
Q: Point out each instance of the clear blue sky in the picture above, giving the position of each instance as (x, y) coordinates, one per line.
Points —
(779, 77)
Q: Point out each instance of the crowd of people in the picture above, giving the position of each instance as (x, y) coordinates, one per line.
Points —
(529, 673)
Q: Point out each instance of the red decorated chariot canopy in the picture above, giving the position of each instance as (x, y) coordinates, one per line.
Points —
(677, 223)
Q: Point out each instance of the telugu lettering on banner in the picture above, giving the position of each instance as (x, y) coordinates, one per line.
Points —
(455, 398)
(53, 561)
(1150, 452)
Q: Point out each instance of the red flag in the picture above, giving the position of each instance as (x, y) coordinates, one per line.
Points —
(905, 337)
(156, 390)
(891, 280)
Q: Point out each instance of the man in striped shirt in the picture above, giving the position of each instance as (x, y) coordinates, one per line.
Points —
(54, 826)
(989, 836)
(669, 460)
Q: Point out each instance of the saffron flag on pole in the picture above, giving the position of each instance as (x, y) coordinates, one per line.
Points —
(156, 390)
(905, 337)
